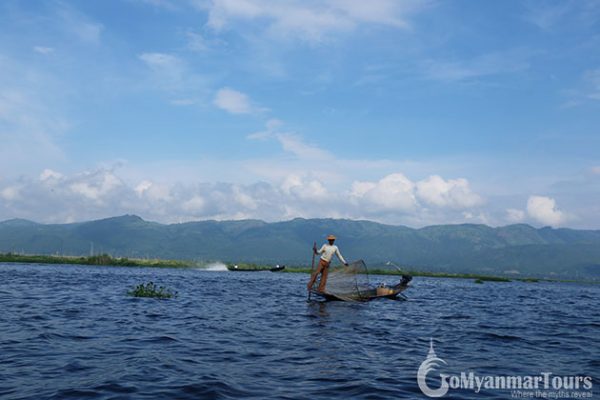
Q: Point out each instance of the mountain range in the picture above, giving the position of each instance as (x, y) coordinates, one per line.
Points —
(519, 250)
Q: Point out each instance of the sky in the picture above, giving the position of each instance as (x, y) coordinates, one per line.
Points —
(398, 111)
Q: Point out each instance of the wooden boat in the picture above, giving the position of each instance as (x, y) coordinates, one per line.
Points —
(277, 268)
(392, 292)
(237, 268)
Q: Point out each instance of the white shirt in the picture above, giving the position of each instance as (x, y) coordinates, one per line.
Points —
(328, 250)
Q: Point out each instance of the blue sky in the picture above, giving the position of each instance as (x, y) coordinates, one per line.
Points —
(403, 112)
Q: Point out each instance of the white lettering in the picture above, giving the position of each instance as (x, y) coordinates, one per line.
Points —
(479, 381)
(454, 382)
(466, 381)
(528, 383)
(557, 382)
(515, 382)
(489, 382)
(546, 376)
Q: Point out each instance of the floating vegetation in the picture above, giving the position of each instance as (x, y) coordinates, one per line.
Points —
(530, 280)
(151, 290)
(100, 259)
(478, 281)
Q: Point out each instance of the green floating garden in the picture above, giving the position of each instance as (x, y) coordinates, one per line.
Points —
(151, 290)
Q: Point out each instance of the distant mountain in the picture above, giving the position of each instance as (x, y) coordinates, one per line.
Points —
(514, 249)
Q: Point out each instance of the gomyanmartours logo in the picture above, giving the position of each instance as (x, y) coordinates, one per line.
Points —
(544, 385)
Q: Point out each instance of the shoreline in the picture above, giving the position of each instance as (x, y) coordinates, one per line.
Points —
(109, 261)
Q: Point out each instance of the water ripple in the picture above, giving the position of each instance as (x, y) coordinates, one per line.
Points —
(69, 332)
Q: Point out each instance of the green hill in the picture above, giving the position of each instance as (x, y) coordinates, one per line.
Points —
(468, 248)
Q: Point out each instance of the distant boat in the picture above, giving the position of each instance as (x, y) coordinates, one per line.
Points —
(246, 268)
(277, 268)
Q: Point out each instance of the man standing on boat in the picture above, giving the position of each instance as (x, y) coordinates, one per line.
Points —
(326, 251)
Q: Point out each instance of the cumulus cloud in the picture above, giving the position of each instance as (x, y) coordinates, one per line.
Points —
(56, 197)
(95, 185)
(50, 175)
(543, 209)
(305, 189)
(234, 102)
(393, 192)
(454, 193)
(421, 199)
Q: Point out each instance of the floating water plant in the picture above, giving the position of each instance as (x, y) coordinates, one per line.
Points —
(478, 281)
(151, 290)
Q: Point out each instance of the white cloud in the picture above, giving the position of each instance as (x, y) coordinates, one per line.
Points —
(305, 189)
(489, 64)
(43, 50)
(79, 25)
(234, 102)
(195, 205)
(291, 143)
(166, 4)
(394, 192)
(295, 145)
(515, 216)
(170, 72)
(383, 12)
(31, 121)
(49, 175)
(173, 75)
(143, 187)
(543, 209)
(309, 20)
(196, 42)
(10, 193)
(95, 185)
(454, 193)
(55, 197)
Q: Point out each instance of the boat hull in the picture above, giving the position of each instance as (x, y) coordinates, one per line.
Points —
(395, 293)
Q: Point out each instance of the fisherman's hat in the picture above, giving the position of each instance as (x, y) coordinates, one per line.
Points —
(330, 237)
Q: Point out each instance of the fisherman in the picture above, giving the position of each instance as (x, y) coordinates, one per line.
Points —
(327, 251)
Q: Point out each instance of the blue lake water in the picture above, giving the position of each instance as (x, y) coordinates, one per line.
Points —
(73, 332)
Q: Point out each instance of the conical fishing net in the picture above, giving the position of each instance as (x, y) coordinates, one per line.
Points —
(351, 282)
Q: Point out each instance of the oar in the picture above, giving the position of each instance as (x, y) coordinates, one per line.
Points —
(312, 266)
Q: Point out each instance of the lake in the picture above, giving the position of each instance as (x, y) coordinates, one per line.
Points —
(72, 332)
